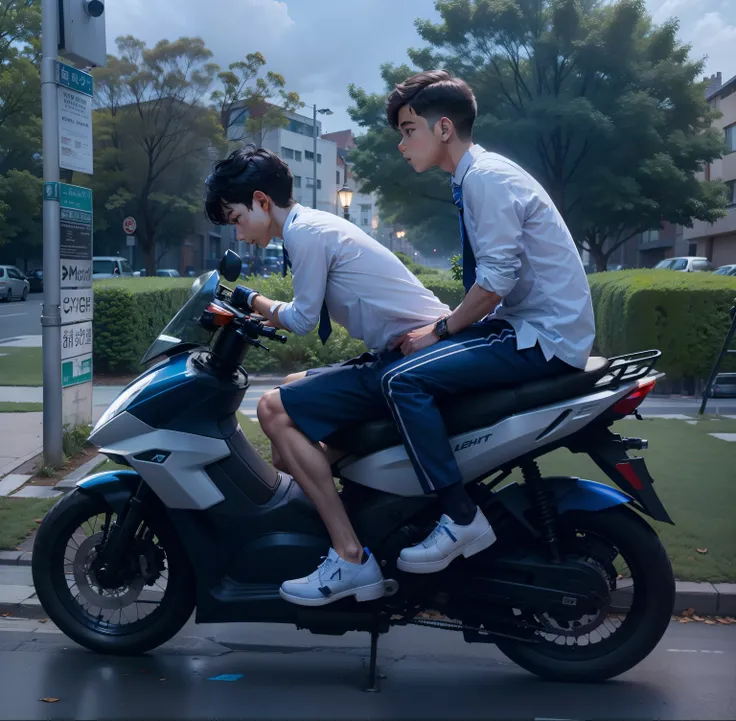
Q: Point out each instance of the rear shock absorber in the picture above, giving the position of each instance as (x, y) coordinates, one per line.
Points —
(542, 500)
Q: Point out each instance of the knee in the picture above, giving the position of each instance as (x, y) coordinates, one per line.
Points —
(401, 383)
(271, 411)
(294, 377)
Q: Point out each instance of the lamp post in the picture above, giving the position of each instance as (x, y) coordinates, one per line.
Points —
(345, 197)
(322, 111)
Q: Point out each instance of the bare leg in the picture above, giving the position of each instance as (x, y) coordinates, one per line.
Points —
(276, 459)
(311, 470)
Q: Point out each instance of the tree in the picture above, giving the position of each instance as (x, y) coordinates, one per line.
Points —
(261, 112)
(597, 102)
(153, 140)
(20, 129)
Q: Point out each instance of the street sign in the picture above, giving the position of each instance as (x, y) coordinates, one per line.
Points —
(75, 131)
(76, 236)
(75, 197)
(51, 191)
(76, 80)
(131, 241)
(130, 225)
(76, 370)
(76, 305)
(76, 273)
(76, 340)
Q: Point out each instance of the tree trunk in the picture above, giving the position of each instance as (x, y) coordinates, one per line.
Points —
(151, 258)
(600, 258)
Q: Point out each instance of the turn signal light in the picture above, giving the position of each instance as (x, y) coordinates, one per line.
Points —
(628, 405)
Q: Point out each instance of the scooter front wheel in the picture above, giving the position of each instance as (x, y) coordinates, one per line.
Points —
(152, 597)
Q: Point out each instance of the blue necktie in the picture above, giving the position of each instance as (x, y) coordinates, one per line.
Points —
(468, 255)
(325, 324)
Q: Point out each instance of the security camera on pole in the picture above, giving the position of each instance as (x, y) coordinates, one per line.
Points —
(74, 29)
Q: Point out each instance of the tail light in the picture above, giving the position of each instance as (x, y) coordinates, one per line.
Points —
(628, 405)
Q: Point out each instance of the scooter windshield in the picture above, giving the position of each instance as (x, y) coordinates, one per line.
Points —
(184, 326)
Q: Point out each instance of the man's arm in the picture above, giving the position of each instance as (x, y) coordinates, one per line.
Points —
(499, 214)
(310, 264)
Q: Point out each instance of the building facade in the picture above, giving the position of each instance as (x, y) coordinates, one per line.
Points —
(717, 241)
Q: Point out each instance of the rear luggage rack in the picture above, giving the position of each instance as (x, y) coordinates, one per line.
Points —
(629, 367)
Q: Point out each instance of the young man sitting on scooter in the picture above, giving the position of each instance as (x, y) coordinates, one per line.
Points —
(339, 273)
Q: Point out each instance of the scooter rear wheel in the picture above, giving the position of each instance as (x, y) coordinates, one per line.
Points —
(620, 640)
(156, 595)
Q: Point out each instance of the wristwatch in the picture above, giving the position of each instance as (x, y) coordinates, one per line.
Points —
(440, 328)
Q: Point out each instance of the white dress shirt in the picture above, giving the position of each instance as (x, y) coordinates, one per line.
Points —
(524, 252)
(368, 289)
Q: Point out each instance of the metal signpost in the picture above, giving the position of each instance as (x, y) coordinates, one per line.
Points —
(130, 226)
(77, 33)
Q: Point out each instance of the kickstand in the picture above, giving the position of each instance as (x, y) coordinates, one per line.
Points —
(373, 675)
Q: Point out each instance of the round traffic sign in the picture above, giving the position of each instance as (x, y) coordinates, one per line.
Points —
(129, 225)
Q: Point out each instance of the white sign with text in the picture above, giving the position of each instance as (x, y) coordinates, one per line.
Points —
(76, 305)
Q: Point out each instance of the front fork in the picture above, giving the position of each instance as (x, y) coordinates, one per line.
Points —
(119, 538)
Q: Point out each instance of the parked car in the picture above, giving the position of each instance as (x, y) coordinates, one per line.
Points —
(726, 270)
(35, 278)
(168, 273)
(13, 284)
(688, 264)
(724, 386)
(110, 267)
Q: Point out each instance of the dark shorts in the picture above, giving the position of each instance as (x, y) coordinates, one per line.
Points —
(337, 395)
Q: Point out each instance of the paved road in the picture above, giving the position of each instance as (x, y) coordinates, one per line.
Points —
(21, 317)
(284, 673)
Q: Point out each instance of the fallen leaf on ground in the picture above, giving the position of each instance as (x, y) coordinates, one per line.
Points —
(50, 700)
(619, 577)
(688, 613)
(698, 618)
(710, 622)
(6, 615)
(725, 621)
(686, 620)
(702, 550)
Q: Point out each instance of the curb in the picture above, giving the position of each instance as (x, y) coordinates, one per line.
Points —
(704, 599)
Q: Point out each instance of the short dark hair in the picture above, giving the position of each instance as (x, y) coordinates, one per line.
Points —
(434, 94)
(236, 179)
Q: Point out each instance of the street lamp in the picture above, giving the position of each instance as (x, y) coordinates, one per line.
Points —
(345, 197)
(322, 111)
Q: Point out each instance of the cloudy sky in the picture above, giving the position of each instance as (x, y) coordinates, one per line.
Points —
(321, 46)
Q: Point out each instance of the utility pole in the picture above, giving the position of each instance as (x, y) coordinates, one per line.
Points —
(314, 159)
(51, 314)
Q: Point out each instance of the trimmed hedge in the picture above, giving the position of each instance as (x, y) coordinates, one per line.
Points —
(684, 315)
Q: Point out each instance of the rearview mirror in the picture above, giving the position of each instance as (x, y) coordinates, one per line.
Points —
(230, 266)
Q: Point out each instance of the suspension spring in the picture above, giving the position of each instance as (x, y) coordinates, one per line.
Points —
(542, 499)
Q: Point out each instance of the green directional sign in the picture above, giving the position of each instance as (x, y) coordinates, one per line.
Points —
(51, 191)
(76, 80)
(75, 197)
(76, 370)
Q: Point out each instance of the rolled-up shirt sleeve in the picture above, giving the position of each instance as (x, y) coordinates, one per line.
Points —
(310, 263)
(498, 214)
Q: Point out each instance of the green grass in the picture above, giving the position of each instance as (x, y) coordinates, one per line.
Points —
(21, 367)
(18, 518)
(9, 407)
(695, 477)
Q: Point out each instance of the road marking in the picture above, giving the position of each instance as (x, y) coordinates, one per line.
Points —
(693, 650)
(724, 436)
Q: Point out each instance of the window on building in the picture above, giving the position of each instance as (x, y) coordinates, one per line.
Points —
(297, 181)
(731, 194)
(692, 249)
(366, 221)
(309, 155)
(366, 207)
(650, 236)
(310, 183)
(298, 155)
(296, 126)
(287, 153)
(730, 132)
(337, 177)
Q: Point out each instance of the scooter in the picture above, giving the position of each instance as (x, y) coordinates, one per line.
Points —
(577, 587)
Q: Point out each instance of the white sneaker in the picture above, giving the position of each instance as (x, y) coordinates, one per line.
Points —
(448, 541)
(336, 579)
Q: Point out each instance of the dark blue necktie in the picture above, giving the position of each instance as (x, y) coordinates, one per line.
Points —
(468, 255)
(325, 324)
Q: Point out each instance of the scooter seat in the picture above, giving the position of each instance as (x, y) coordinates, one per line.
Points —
(474, 410)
